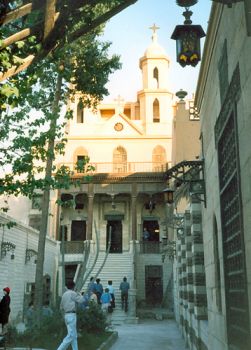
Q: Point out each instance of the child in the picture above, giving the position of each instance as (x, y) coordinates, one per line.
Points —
(105, 300)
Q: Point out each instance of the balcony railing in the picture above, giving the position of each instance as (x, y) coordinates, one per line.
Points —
(150, 247)
(73, 247)
(119, 168)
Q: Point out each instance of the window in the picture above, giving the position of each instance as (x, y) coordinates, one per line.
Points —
(156, 77)
(36, 201)
(159, 159)
(156, 114)
(119, 160)
(80, 113)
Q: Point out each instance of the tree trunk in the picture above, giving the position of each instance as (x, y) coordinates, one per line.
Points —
(38, 298)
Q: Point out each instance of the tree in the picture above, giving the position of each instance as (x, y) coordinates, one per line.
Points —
(54, 23)
(84, 66)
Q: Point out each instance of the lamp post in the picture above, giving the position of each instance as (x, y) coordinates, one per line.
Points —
(187, 37)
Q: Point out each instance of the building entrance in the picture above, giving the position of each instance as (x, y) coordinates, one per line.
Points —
(116, 235)
(78, 230)
(153, 284)
(152, 227)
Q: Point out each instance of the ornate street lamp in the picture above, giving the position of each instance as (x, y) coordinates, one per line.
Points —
(187, 37)
(168, 195)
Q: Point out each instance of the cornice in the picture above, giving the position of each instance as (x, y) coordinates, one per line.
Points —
(209, 46)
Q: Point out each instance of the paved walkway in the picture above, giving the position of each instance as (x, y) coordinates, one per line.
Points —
(149, 335)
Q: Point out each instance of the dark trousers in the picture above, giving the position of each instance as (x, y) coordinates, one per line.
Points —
(113, 300)
(124, 300)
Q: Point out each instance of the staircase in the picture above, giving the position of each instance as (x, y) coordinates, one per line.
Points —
(116, 267)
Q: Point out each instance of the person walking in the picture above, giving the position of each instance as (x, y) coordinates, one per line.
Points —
(98, 289)
(124, 287)
(5, 310)
(105, 300)
(69, 300)
(91, 286)
(111, 291)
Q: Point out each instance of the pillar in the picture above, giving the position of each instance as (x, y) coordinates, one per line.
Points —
(90, 212)
(134, 211)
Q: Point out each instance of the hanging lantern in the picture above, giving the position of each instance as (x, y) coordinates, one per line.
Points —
(187, 38)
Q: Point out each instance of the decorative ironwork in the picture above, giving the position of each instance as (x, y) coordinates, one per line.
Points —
(169, 250)
(175, 221)
(29, 253)
(191, 172)
(238, 323)
(232, 96)
(185, 171)
(7, 247)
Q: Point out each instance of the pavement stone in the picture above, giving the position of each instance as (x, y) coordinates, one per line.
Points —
(149, 335)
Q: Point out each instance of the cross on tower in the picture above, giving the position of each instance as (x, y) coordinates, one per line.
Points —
(154, 28)
(119, 108)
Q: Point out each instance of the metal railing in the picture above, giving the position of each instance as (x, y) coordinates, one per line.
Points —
(119, 168)
(150, 247)
(74, 247)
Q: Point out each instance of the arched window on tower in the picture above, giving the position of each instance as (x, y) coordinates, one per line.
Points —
(156, 114)
(119, 160)
(156, 77)
(159, 159)
(80, 113)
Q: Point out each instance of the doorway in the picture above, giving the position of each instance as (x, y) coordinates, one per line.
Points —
(153, 284)
(78, 230)
(152, 227)
(115, 226)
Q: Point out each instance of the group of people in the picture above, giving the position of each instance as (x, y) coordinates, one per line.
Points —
(104, 297)
(95, 292)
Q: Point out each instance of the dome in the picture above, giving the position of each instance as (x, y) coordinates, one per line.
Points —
(154, 49)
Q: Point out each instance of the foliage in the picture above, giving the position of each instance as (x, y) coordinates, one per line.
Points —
(51, 333)
(92, 319)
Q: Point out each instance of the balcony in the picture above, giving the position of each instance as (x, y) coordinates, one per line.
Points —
(119, 168)
(74, 247)
(150, 247)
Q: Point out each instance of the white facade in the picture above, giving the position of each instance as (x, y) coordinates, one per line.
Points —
(17, 271)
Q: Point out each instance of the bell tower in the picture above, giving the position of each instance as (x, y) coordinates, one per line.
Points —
(155, 99)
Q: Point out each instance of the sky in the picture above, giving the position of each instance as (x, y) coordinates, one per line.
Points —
(130, 36)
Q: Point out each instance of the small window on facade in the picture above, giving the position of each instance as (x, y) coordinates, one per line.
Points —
(156, 76)
(80, 113)
(79, 201)
(156, 114)
(36, 201)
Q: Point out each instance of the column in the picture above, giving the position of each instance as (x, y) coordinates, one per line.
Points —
(90, 212)
(134, 211)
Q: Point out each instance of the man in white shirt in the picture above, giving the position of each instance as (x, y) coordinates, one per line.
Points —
(68, 305)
